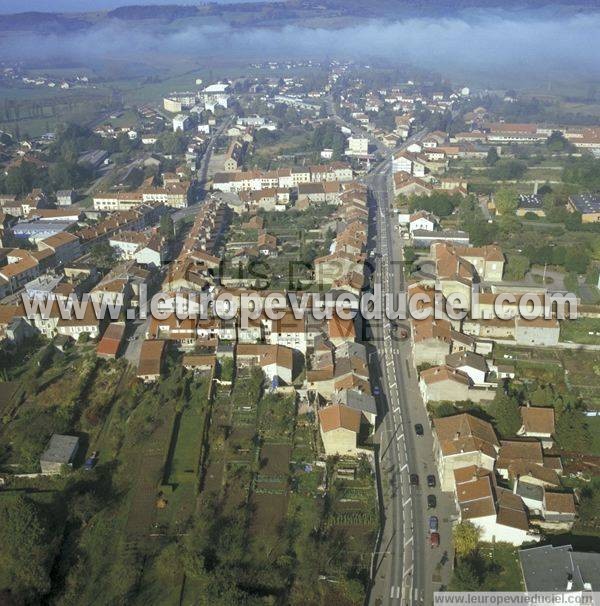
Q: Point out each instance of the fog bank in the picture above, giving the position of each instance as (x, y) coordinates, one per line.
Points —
(482, 41)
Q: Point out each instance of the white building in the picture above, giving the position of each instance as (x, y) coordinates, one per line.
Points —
(181, 122)
(357, 146)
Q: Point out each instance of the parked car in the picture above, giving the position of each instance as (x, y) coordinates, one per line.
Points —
(419, 429)
(431, 501)
(414, 479)
(431, 481)
(434, 539)
(433, 523)
(91, 461)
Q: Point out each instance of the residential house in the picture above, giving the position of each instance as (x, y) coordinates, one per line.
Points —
(75, 327)
(461, 441)
(64, 245)
(472, 364)
(538, 422)
(111, 341)
(151, 360)
(559, 569)
(340, 427)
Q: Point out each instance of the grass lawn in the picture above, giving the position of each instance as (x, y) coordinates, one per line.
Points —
(506, 558)
(582, 330)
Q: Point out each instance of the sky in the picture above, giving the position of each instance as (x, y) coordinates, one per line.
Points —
(57, 6)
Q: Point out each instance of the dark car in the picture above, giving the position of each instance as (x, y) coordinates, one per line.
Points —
(91, 461)
(431, 501)
(414, 479)
(434, 539)
(433, 523)
(431, 481)
(419, 429)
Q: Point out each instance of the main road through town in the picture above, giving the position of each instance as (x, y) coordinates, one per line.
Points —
(406, 569)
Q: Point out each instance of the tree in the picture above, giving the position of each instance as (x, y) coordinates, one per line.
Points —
(27, 547)
(509, 225)
(103, 254)
(577, 260)
(583, 172)
(475, 224)
(572, 431)
(409, 255)
(506, 201)
(440, 203)
(505, 410)
(517, 267)
(166, 227)
(556, 142)
(505, 170)
(588, 512)
(464, 577)
(492, 156)
(465, 536)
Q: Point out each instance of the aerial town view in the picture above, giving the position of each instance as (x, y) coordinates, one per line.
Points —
(299, 302)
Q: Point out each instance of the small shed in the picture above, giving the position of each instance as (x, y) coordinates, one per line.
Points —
(61, 451)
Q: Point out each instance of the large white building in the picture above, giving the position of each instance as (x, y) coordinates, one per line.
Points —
(357, 146)
(181, 122)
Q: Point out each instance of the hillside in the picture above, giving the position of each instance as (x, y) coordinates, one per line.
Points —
(274, 13)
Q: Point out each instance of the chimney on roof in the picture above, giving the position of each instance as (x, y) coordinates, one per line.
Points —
(457, 435)
(569, 582)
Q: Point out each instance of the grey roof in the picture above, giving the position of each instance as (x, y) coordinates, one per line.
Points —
(350, 349)
(530, 491)
(61, 449)
(357, 400)
(450, 235)
(311, 188)
(467, 358)
(530, 201)
(547, 568)
(586, 203)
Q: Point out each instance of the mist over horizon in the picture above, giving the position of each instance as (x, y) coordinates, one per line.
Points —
(483, 40)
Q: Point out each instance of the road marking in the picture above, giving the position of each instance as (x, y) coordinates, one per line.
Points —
(408, 541)
(405, 504)
(405, 466)
(408, 571)
(395, 592)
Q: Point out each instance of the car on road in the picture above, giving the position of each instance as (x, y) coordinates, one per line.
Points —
(414, 479)
(376, 391)
(431, 501)
(431, 481)
(433, 523)
(419, 429)
(434, 539)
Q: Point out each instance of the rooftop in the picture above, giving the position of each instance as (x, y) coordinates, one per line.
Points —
(549, 568)
(586, 203)
(61, 449)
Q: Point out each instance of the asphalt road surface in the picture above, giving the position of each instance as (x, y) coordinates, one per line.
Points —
(406, 568)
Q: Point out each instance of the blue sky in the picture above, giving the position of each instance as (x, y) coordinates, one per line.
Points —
(19, 6)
